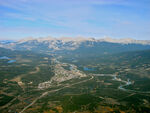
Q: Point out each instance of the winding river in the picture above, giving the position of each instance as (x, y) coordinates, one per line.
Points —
(127, 83)
(121, 87)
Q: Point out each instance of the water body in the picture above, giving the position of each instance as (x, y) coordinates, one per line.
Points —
(7, 58)
(127, 84)
(121, 87)
(4, 58)
(11, 61)
(88, 69)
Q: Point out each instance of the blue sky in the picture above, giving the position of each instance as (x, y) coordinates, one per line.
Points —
(88, 18)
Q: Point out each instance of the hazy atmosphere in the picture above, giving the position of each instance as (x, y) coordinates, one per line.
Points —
(88, 18)
(74, 56)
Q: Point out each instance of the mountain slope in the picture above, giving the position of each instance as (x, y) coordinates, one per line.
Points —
(78, 45)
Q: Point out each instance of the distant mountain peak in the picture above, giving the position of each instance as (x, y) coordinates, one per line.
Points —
(66, 43)
(26, 39)
(82, 39)
(123, 40)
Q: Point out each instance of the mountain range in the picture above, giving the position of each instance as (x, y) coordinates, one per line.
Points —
(78, 44)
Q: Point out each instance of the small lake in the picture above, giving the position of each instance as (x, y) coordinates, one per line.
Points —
(7, 58)
(88, 69)
(4, 58)
(11, 61)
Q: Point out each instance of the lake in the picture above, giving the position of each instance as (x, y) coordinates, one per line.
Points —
(4, 58)
(11, 61)
(88, 69)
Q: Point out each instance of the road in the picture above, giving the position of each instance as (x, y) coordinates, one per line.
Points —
(52, 91)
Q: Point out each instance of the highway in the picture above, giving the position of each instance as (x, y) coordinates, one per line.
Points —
(52, 91)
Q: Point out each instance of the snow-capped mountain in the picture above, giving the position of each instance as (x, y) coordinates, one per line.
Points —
(6, 41)
(50, 44)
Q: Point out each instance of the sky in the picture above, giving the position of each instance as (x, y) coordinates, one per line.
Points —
(73, 18)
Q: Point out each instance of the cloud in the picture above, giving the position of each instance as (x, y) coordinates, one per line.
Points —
(59, 12)
(97, 17)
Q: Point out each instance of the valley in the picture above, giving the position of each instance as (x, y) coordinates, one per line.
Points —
(74, 56)
(78, 81)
